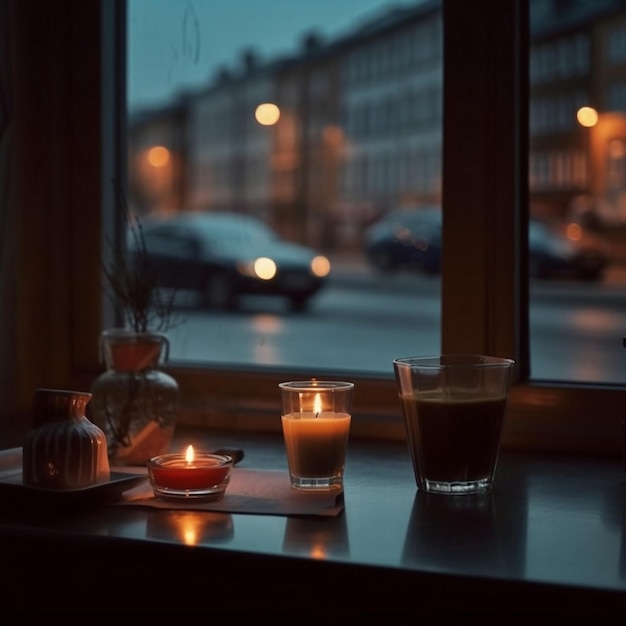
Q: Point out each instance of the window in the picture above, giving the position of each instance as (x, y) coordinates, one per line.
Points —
(572, 189)
(484, 293)
(329, 129)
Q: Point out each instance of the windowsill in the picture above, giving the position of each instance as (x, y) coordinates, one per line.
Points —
(577, 419)
(550, 539)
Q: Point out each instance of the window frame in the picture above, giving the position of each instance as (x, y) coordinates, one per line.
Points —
(58, 346)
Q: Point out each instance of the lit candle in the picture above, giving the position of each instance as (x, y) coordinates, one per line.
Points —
(316, 441)
(189, 474)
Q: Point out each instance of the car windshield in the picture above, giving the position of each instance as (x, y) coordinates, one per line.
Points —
(418, 221)
(245, 237)
(233, 228)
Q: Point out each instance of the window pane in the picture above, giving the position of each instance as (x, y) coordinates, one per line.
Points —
(350, 170)
(577, 171)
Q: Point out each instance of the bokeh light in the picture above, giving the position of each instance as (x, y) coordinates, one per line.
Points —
(267, 114)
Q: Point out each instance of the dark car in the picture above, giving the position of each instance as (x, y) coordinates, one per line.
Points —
(553, 254)
(405, 239)
(411, 239)
(222, 256)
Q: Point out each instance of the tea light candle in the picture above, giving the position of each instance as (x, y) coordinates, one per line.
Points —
(192, 475)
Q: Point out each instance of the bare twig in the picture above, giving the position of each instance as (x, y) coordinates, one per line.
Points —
(134, 284)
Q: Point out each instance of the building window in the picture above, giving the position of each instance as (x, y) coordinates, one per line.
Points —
(616, 52)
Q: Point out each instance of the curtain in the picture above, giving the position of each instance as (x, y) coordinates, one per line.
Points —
(50, 199)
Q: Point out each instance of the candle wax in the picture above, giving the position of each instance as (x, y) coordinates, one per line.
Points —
(199, 474)
(316, 443)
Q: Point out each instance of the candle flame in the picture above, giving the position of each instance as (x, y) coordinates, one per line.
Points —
(189, 455)
(317, 404)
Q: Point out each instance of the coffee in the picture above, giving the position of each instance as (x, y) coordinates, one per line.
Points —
(453, 440)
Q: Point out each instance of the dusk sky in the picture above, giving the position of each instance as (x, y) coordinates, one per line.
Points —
(175, 44)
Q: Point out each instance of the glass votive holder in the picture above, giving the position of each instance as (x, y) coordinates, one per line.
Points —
(316, 417)
(200, 476)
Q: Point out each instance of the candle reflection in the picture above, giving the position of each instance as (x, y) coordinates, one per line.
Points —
(191, 527)
(318, 538)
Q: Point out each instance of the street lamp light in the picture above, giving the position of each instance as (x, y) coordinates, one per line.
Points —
(267, 114)
(158, 156)
(606, 150)
(587, 116)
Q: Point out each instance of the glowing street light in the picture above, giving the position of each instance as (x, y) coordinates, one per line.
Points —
(267, 114)
(158, 156)
(587, 116)
(605, 147)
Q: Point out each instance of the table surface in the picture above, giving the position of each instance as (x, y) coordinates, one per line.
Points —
(551, 532)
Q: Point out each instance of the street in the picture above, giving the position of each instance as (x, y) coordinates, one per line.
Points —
(361, 321)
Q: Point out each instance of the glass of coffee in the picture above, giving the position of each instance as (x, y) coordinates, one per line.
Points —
(454, 407)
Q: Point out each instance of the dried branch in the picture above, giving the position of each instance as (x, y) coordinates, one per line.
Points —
(134, 285)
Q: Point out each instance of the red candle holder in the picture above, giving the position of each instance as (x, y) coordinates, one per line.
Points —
(196, 476)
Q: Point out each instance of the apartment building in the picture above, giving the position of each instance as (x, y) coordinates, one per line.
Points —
(359, 131)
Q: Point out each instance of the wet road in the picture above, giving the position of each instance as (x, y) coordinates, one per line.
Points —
(362, 321)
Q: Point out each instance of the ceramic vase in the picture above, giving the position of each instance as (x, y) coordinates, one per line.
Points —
(64, 450)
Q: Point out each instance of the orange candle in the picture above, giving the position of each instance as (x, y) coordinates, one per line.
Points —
(316, 424)
(190, 472)
(316, 443)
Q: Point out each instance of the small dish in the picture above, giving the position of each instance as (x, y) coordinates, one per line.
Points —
(12, 488)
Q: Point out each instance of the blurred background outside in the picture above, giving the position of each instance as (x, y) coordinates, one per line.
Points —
(323, 120)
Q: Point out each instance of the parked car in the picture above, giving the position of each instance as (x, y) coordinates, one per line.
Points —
(405, 239)
(222, 256)
(411, 239)
(553, 254)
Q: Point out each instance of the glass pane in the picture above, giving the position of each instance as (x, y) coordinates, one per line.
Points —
(342, 162)
(577, 170)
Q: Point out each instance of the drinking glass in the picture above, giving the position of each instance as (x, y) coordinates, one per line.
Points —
(454, 407)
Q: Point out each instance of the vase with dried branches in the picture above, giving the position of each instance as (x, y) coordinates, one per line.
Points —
(135, 402)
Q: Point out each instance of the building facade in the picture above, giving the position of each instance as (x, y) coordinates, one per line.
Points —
(359, 131)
